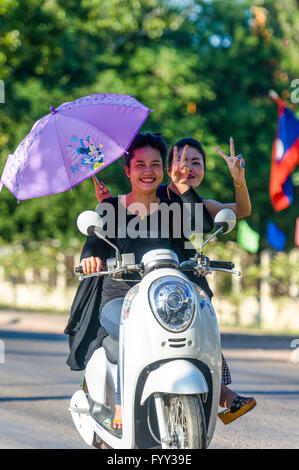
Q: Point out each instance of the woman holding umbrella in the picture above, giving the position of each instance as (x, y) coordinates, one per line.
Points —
(144, 167)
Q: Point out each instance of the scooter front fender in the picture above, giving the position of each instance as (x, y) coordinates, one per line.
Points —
(175, 377)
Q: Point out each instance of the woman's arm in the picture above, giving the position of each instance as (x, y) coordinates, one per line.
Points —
(242, 206)
(191, 197)
(236, 165)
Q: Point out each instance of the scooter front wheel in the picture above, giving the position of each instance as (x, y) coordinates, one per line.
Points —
(185, 420)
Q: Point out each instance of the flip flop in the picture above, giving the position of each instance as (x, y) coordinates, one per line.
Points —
(239, 407)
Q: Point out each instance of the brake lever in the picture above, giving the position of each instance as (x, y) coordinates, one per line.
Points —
(100, 273)
(231, 271)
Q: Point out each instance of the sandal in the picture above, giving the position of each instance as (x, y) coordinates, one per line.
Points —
(239, 407)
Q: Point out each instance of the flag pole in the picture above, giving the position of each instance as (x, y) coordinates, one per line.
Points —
(275, 97)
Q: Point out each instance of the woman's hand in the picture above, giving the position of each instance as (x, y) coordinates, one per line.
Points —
(179, 171)
(91, 265)
(101, 191)
(235, 164)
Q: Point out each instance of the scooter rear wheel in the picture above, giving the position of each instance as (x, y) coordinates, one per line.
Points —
(186, 422)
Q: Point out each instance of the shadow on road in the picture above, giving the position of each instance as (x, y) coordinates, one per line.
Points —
(25, 352)
(288, 393)
(27, 335)
(6, 399)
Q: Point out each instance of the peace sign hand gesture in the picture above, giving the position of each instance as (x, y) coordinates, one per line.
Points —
(235, 164)
(179, 171)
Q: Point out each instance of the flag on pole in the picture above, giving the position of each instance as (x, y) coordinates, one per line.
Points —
(275, 237)
(248, 238)
(285, 156)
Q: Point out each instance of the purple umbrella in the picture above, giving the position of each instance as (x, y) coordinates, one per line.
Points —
(72, 143)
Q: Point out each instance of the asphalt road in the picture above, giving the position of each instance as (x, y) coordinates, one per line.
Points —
(36, 386)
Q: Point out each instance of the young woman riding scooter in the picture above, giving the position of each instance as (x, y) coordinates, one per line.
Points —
(144, 167)
(195, 161)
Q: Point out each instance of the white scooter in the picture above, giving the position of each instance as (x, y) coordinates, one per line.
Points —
(169, 352)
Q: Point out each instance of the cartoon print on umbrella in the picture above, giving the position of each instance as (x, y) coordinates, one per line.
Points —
(94, 155)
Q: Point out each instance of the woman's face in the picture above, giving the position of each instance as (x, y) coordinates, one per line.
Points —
(194, 161)
(146, 170)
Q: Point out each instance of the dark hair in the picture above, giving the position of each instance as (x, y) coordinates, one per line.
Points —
(192, 143)
(143, 140)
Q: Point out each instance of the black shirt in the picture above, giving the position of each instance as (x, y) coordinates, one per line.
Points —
(150, 235)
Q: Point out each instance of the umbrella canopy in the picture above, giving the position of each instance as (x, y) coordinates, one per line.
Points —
(72, 143)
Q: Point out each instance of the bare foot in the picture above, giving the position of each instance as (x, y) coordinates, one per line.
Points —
(227, 396)
(117, 421)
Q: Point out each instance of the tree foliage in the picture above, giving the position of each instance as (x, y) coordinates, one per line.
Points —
(204, 67)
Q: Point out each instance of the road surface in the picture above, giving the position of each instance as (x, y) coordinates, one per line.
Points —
(36, 386)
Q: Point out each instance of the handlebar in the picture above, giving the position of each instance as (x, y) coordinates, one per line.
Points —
(200, 268)
(221, 264)
(79, 270)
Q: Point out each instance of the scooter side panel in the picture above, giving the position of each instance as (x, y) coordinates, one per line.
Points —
(95, 376)
(81, 419)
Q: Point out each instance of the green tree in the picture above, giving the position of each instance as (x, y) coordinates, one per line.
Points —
(204, 67)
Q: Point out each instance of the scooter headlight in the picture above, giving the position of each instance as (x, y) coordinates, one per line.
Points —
(172, 301)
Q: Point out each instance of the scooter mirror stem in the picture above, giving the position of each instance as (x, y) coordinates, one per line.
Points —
(219, 230)
(98, 233)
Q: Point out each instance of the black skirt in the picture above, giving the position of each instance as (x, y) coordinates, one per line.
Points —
(84, 329)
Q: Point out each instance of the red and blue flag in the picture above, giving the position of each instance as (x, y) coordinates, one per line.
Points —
(285, 157)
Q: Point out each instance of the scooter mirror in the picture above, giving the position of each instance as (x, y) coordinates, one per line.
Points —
(90, 223)
(225, 218)
(87, 221)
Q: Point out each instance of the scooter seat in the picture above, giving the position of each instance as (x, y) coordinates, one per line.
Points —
(111, 346)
